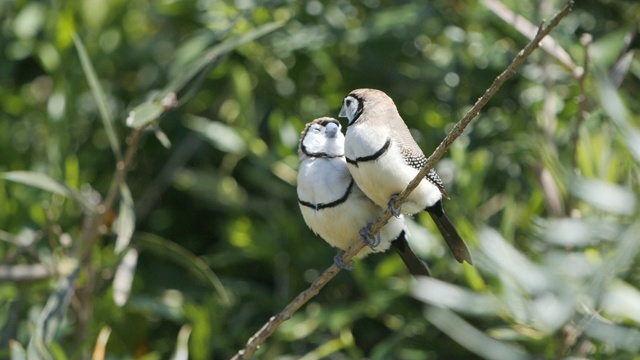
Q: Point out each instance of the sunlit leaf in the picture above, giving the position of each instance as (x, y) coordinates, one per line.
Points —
(439, 293)
(471, 338)
(515, 301)
(143, 114)
(182, 345)
(221, 136)
(185, 258)
(17, 351)
(605, 196)
(123, 278)
(628, 249)
(605, 50)
(611, 102)
(45, 182)
(632, 138)
(613, 335)
(162, 138)
(621, 68)
(552, 311)
(39, 180)
(512, 262)
(576, 232)
(126, 219)
(100, 350)
(623, 301)
(98, 95)
(617, 110)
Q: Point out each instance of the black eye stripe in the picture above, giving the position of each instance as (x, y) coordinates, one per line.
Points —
(360, 108)
(327, 122)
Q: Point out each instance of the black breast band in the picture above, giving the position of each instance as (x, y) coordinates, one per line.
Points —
(328, 205)
(371, 157)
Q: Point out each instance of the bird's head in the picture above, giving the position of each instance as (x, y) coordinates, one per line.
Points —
(365, 100)
(322, 138)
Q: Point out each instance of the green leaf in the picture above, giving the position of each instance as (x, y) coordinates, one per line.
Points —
(605, 50)
(623, 301)
(613, 335)
(182, 345)
(126, 219)
(577, 232)
(38, 180)
(47, 183)
(616, 109)
(215, 52)
(605, 196)
(162, 138)
(439, 293)
(123, 278)
(512, 262)
(221, 136)
(98, 95)
(470, 337)
(17, 351)
(184, 257)
(143, 114)
(52, 315)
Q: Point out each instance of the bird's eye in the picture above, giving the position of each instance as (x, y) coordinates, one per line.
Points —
(348, 102)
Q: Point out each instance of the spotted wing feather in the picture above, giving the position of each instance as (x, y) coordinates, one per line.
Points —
(417, 161)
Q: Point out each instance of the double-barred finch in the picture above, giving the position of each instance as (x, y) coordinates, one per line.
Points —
(333, 206)
(383, 158)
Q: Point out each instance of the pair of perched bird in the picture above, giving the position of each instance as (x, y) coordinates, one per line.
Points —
(344, 182)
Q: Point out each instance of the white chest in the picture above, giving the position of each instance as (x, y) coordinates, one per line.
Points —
(388, 174)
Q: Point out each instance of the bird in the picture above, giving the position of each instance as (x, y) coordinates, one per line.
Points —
(383, 158)
(333, 206)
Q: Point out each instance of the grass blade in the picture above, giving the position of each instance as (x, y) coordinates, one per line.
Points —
(99, 96)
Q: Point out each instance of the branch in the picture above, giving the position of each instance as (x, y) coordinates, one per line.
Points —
(527, 29)
(269, 328)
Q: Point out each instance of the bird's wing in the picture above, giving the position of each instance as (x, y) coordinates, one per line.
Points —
(416, 159)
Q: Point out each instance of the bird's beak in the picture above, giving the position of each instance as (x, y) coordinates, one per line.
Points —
(332, 130)
(343, 111)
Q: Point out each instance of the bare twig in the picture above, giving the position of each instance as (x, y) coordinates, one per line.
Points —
(119, 178)
(269, 328)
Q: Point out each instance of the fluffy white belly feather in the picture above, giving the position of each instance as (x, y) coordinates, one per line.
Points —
(322, 181)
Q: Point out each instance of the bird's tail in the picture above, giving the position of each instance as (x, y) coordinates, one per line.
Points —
(416, 266)
(455, 242)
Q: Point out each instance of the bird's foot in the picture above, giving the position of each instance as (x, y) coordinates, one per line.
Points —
(340, 263)
(392, 206)
(371, 241)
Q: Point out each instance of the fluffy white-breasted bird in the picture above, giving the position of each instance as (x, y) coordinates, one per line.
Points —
(383, 158)
(331, 203)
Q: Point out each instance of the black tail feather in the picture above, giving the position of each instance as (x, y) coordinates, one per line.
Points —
(455, 242)
(416, 266)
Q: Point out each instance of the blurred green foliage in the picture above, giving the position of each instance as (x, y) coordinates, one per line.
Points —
(545, 182)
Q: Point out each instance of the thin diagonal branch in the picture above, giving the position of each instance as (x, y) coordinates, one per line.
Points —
(270, 327)
(527, 29)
